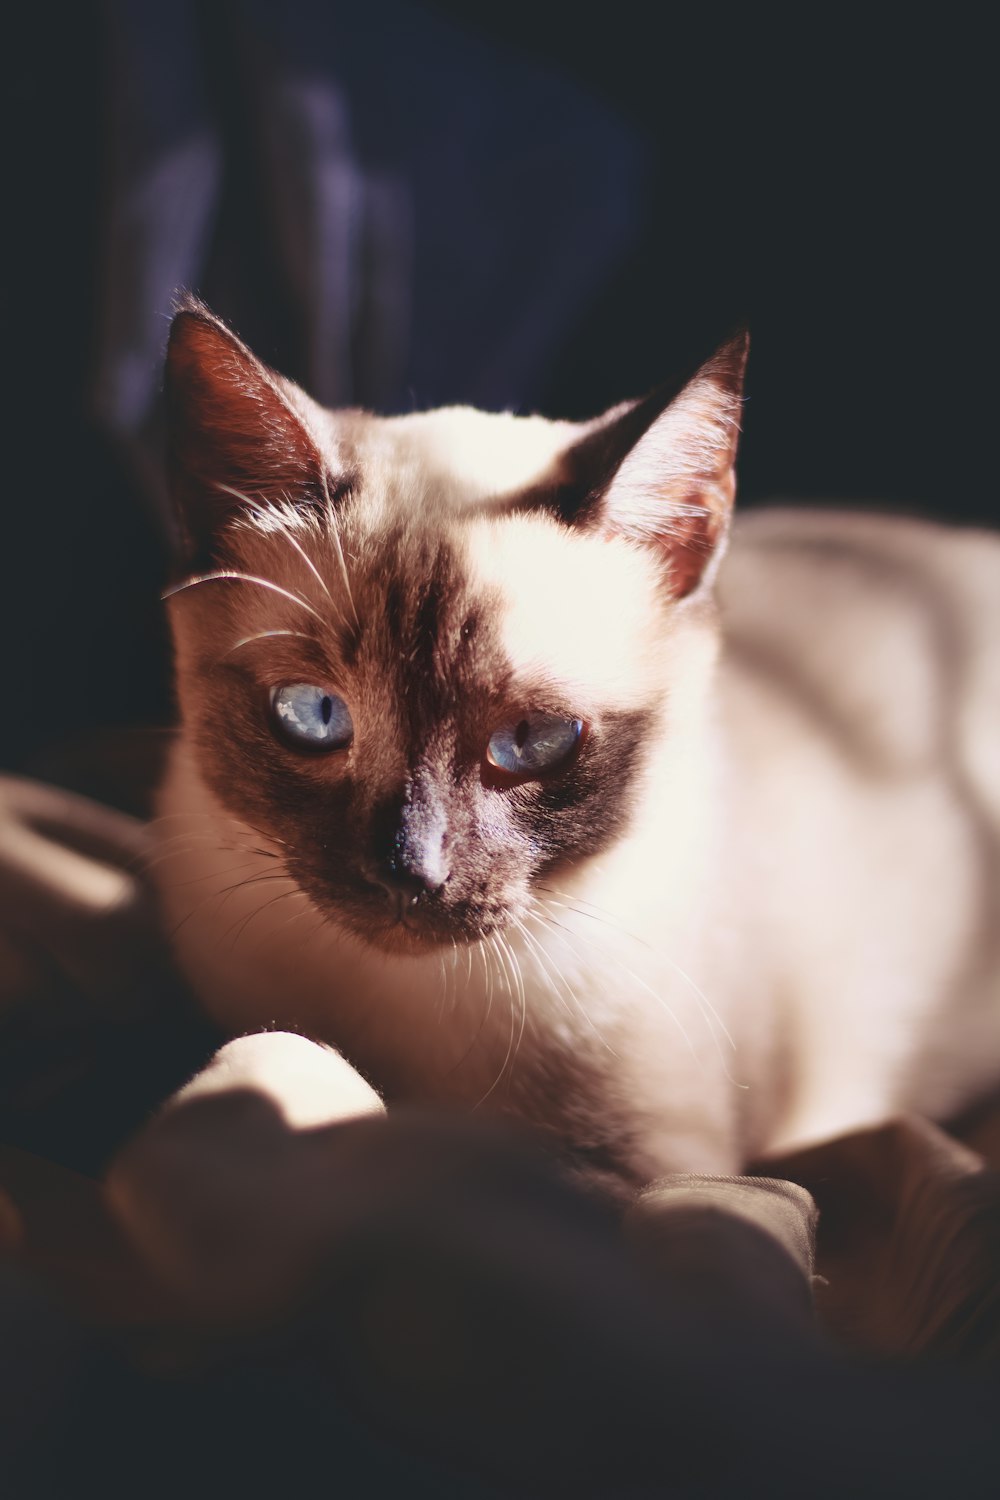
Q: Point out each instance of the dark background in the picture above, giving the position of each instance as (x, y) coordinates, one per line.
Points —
(825, 175)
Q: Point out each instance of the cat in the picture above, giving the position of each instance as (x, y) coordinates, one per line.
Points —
(499, 770)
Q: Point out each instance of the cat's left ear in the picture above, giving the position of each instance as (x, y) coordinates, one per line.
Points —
(660, 471)
(235, 436)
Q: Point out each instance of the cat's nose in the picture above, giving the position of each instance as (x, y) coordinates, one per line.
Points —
(403, 888)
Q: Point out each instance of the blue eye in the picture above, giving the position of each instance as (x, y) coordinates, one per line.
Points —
(311, 716)
(535, 743)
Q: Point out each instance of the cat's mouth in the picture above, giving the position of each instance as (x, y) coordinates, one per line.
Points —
(414, 927)
(402, 937)
(413, 934)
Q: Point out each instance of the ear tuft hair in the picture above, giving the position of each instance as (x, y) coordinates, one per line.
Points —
(233, 433)
(661, 469)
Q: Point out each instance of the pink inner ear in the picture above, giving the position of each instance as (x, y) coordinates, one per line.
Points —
(231, 429)
(687, 531)
(674, 490)
(696, 532)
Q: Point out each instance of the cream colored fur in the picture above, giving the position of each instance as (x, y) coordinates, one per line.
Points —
(797, 934)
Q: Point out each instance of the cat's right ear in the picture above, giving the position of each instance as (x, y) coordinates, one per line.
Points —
(234, 439)
(659, 472)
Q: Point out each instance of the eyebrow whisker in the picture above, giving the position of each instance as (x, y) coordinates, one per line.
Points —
(229, 575)
(264, 635)
(334, 531)
(258, 510)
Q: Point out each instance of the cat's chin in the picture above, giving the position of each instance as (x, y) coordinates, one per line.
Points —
(406, 940)
(403, 941)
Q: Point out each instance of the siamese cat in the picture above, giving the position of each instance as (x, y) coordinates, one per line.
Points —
(507, 767)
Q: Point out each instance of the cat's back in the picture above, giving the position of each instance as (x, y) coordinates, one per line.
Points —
(869, 545)
(860, 693)
(881, 631)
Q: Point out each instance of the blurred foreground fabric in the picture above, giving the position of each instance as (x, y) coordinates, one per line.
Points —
(271, 1285)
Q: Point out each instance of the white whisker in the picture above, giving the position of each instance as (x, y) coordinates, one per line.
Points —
(491, 941)
(258, 508)
(230, 575)
(521, 993)
(600, 914)
(334, 530)
(264, 635)
(542, 960)
(607, 952)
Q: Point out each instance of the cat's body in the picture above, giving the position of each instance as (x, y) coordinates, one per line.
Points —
(755, 903)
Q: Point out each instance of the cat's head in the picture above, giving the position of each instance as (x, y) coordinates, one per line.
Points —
(429, 656)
